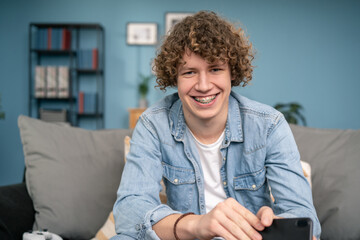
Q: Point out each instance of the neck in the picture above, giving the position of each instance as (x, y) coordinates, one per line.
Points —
(207, 131)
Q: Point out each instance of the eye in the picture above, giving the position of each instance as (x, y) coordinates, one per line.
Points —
(188, 73)
(216, 69)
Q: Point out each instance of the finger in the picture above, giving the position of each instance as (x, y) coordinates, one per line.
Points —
(218, 225)
(253, 220)
(314, 238)
(236, 223)
(266, 215)
(246, 228)
(229, 230)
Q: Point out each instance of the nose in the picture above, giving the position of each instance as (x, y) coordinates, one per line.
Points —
(203, 82)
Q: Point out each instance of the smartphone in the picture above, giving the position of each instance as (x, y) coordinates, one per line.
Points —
(289, 228)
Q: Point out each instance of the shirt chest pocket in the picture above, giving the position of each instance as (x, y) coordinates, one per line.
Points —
(180, 186)
(253, 191)
(250, 181)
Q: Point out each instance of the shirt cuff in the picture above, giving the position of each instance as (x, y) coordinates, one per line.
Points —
(153, 217)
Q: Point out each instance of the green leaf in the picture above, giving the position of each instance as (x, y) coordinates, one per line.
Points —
(291, 112)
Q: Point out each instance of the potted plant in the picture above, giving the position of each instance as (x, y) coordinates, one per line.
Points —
(143, 90)
(292, 112)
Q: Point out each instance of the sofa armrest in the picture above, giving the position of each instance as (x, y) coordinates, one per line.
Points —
(17, 211)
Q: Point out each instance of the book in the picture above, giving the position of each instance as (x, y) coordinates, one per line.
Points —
(54, 37)
(65, 39)
(40, 82)
(51, 82)
(49, 38)
(95, 55)
(88, 59)
(81, 102)
(41, 38)
(63, 82)
(90, 103)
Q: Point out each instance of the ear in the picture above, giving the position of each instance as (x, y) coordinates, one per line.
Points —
(176, 82)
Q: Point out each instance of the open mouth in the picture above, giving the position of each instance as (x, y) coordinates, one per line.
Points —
(205, 100)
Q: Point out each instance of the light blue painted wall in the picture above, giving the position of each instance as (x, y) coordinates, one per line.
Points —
(307, 51)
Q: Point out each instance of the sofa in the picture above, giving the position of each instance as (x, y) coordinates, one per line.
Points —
(72, 175)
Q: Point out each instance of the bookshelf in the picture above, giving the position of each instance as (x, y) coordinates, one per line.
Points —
(66, 73)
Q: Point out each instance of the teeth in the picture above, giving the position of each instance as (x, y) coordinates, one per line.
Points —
(205, 100)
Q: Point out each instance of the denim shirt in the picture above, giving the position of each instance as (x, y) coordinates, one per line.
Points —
(258, 152)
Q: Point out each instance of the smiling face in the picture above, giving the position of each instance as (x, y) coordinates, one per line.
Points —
(204, 89)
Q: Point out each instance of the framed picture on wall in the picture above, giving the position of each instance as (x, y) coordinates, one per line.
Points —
(171, 18)
(141, 33)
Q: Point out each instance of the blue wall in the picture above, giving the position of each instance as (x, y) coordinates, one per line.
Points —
(307, 51)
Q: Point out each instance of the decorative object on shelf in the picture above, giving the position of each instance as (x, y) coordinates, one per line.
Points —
(292, 112)
(171, 18)
(143, 90)
(53, 115)
(2, 114)
(141, 33)
(134, 114)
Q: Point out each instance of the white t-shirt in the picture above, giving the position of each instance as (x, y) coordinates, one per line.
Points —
(211, 162)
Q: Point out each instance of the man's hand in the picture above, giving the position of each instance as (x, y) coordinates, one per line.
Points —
(231, 220)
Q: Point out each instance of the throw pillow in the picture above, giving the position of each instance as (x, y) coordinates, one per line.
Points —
(107, 231)
(307, 171)
(72, 175)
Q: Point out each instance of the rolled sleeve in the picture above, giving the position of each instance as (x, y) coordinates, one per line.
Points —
(127, 229)
(152, 217)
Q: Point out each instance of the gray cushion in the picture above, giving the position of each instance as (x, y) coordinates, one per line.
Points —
(72, 175)
(334, 156)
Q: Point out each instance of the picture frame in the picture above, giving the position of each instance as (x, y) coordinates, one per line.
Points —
(171, 18)
(141, 33)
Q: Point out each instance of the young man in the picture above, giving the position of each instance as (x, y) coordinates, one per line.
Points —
(217, 152)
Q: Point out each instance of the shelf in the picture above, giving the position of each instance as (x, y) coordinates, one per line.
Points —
(72, 99)
(96, 115)
(89, 71)
(53, 52)
(68, 25)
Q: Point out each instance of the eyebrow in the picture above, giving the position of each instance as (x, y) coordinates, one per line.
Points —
(183, 66)
(219, 64)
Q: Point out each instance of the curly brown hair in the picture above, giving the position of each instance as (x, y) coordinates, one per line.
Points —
(212, 38)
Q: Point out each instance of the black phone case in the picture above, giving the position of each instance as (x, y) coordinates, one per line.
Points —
(289, 228)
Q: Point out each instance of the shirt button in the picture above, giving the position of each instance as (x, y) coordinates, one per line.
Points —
(202, 206)
(138, 227)
(253, 186)
(224, 158)
(176, 180)
(225, 183)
